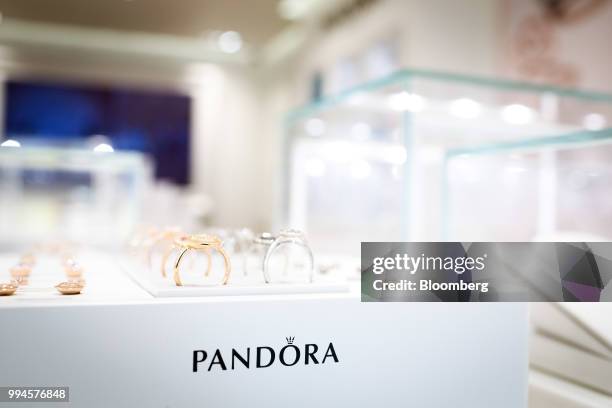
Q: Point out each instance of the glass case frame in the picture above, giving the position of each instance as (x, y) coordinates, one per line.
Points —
(559, 112)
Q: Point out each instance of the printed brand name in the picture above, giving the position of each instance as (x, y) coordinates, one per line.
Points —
(264, 356)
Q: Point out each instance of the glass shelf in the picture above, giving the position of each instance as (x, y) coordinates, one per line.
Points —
(70, 194)
(367, 164)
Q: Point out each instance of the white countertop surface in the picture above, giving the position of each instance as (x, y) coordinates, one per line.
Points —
(108, 281)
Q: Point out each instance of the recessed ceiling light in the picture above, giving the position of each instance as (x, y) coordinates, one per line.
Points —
(465, 108)
(230, 42)
(10, 143)
(293, 9)
(404, 101)
(594, 121)
(103, 148)
(517, 114)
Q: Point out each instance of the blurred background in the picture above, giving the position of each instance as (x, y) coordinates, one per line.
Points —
(350, 119)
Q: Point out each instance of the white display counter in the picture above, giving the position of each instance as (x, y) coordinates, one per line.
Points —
(118, 345)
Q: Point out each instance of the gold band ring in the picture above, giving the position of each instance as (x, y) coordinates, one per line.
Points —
(204, 243)
(173, 248)
(158, 237)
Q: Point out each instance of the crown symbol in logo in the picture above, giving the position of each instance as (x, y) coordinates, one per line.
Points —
(290, 339)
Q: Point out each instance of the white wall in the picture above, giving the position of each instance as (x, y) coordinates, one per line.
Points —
(228, 144)
(455, 36)
(575, 52)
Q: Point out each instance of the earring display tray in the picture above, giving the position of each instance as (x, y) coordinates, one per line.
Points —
(150, 279)
(105, 282)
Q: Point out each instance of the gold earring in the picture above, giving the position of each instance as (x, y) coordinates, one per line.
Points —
(20, 273)
(70, 287)
(8, 289)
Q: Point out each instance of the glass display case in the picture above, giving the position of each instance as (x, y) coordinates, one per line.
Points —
(370, 163)
(543, 189)
(77, 195)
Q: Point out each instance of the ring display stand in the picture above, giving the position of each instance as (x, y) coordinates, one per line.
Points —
(239, 284)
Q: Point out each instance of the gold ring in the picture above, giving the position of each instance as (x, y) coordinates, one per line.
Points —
(174, 247)
(204, 243)
(158, 237)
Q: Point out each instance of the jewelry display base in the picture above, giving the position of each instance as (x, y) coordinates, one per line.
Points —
(136, 350)
(104, 282)
(240, 284)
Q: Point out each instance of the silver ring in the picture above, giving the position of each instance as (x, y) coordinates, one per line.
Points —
(258, 248)
(289, 237)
